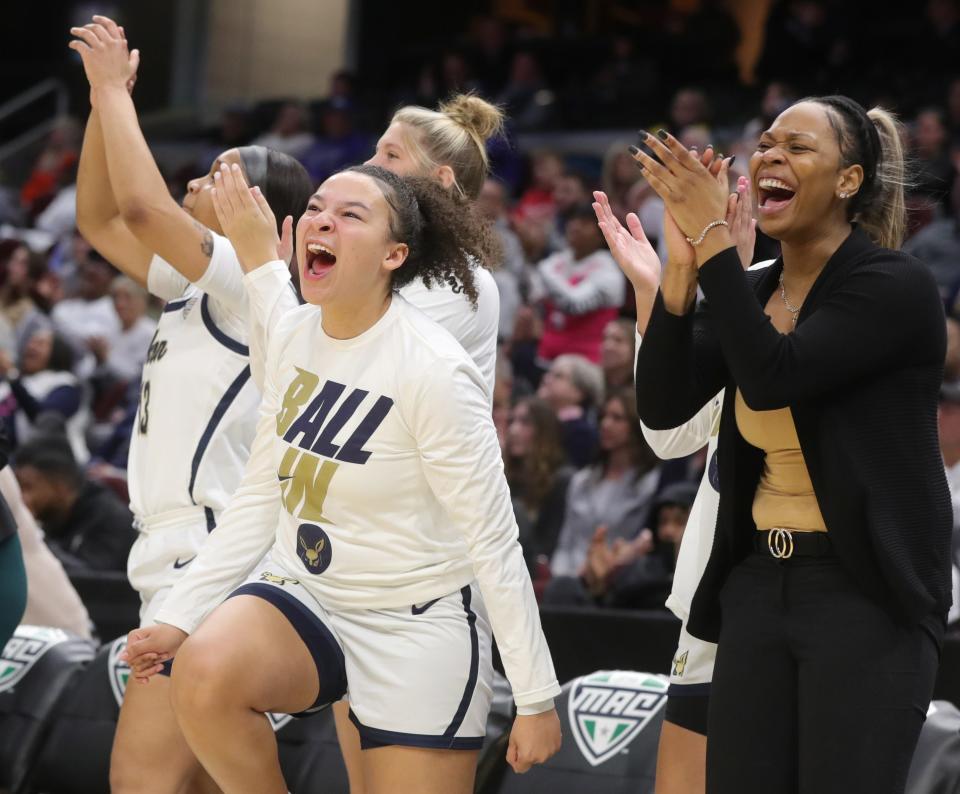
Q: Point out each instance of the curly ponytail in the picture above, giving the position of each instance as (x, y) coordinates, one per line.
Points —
(872, 140)
(445, 233)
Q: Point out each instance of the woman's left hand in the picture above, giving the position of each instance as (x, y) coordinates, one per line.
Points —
(245, 218)
(533, 740)
(693, 196)
(103, 50)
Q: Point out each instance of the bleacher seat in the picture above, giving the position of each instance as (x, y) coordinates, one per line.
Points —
(611, 728)
(39, 665)
(936, 761)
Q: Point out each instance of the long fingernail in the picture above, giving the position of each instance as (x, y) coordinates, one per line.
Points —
(662, 134)
(709, 145)
(633, 150)
(733, 159)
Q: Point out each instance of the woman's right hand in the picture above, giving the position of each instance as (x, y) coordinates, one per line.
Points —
(629, 246)
(149, 647)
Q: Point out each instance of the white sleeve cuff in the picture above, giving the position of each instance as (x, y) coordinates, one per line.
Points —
(534, 708)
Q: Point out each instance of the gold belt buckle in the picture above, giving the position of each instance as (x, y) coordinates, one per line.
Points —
(780, 543)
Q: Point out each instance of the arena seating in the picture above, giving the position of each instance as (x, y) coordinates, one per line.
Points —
(38, 666)
(60, 697)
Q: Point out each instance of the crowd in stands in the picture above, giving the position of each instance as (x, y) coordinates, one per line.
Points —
(600, 516)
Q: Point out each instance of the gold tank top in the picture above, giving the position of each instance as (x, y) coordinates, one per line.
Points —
(784, 496)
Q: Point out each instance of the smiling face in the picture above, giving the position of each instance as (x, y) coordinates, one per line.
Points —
(344, 243)
(797, 175)
(198, 201)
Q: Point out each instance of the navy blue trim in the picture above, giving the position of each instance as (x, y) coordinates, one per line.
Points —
(173, 306)
(211, 519)
(371, 738)
(167, 669)
(228, 397)
(325, 650)
(687, 690)
(220, 336)
(474, 666)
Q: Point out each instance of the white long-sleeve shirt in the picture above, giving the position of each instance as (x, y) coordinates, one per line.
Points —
(386, 443)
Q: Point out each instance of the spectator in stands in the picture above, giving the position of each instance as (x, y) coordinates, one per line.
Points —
(616, 492)
(527, 99)
(689, 107)
(91, 313)
(289, 132)
(44, 384)
(616, 353)
(800, 45)
(59, 217)
(948, 420)
(511, 276)
(573, 387)
(20, 270)
(570, 191)
(620, 174)
(491, 53)
(777, 97)
(637, 573)
(938, 245)
(934, 171)
(59, 155)
(51, 598)
(583, 290)
(121, 356)
(86, 526)
(338, 145)
(538, 475)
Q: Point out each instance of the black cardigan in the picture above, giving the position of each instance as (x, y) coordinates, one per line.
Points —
(860, 374)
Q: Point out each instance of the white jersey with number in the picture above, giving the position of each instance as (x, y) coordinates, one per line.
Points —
(196, 419)
(376, 475)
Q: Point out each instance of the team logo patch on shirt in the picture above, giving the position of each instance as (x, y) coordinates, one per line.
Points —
(607, 710)
(680, 663)
(313, 548)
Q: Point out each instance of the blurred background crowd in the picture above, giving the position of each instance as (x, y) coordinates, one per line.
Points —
(600, 516)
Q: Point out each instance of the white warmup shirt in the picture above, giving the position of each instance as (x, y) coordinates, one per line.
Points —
(198, 402)
(385, 444)
(475, 330)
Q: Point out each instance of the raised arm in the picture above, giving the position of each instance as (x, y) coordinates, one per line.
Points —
(98, 217)
(143, 202)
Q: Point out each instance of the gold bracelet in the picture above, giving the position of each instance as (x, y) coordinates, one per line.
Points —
(706, 229)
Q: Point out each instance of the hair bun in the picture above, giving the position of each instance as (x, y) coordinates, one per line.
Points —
(474, 114)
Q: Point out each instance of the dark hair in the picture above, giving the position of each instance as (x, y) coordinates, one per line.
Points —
(532, 475)
(284, 182)
(50, 455)
(61, 355)
(443, 230)
(871, 139)
(641, 456)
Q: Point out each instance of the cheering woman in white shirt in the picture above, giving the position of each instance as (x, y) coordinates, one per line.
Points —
(376, 484)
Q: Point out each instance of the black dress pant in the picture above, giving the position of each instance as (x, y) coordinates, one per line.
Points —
(816, 690)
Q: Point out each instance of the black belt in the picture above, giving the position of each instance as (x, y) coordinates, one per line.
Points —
(782, 544)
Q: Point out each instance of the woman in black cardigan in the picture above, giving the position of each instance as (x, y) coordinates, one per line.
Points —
(829, 580)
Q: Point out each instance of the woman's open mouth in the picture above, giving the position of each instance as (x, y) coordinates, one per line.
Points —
(320, 261)
(773, 195)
